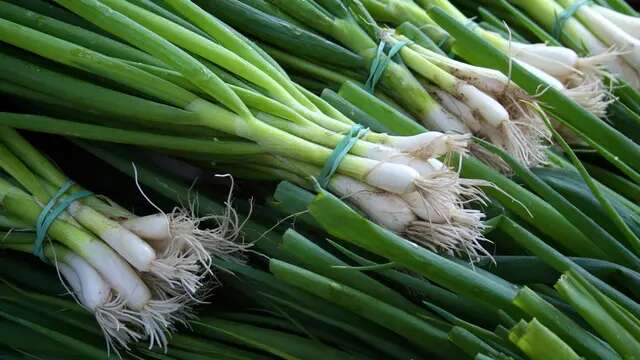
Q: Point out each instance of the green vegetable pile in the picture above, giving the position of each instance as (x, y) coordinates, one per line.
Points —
(319, 179)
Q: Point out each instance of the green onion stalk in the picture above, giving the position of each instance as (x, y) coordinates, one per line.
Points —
(579, 77)
(501, 118)
(282, 121)
(164, 254)
(609, 319)
(594, 30)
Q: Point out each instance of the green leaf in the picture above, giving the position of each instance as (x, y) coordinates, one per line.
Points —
(420, 333)
(211, 348)
(608, 244)
(15, 315)
(278, 343)
(315, 259)
(560, 263)
(599, 317)
(532, 209)
(416, 286)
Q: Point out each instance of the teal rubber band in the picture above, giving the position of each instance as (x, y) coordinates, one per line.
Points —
(339, 152)
(375, 64)
(380, 63)
(561, 19)
(50, 213)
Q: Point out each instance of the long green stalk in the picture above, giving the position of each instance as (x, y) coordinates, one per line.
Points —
(456, 304)
(261, 284)
(247, 126)
(523, 269)
(86, 95)
(258, 102)
(532, 209)
(277, 343)
(419, 332)
(55, 12)
(162, 9)
(137, 35)
(560, 263)
(73, 55)
(222, 33)
(352, 111)
(323, 263)
(12, 313)
(630, 236)
(619, 329)
(415, 34)
(607, 243)
(579, 339)
(103, 133)
(207, 114)
(167, 32)
(298, 64)
(74, 34)
(615, 182)
(270, 80)
(528, 23)
(275, 28)
(471, 344)
(388, 116)
(397, 12)
(15, 168)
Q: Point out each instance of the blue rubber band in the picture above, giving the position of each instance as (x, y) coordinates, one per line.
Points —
(50, 213)
(566, 14)
(380, 63)
(339, 152)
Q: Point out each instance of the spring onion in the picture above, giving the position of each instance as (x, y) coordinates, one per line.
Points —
(560, 67)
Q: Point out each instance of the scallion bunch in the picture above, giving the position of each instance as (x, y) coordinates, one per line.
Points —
(139, 276)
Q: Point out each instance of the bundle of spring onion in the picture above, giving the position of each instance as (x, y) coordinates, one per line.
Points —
(250, 100)
(580, 78)
(441, 93)
(591, 29)
(139, 276)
